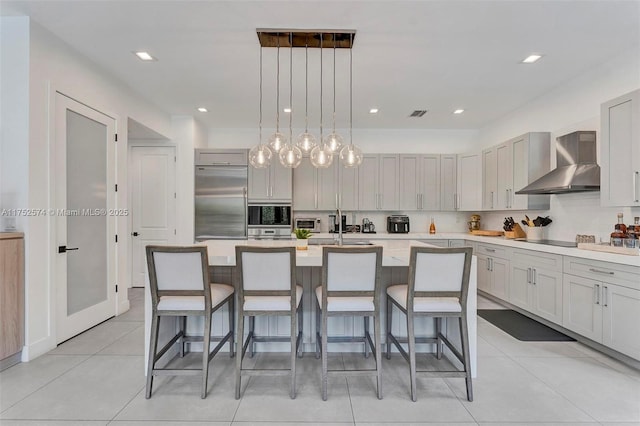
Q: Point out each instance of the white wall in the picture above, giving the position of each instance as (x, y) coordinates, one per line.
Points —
(14, 118)
(55, 66)
(573, 106)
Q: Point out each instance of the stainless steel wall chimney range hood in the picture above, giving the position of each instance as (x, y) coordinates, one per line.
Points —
(576, 171)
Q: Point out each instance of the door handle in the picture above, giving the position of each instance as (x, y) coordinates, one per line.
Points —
(64, 249)
(135, 234)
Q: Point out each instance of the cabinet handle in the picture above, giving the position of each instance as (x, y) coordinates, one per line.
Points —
(455, 201)
(315, 200)
(597, 271)
(337, 203)
(506, 202)
(492, 199)
(421, 201)
(635, 186)
(534, 277)
(605, 296)
(596, 293)
(488, 263)
(381, 200)
(528, 275)
(490, 250)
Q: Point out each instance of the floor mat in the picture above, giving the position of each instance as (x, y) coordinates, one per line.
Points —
(522, 327)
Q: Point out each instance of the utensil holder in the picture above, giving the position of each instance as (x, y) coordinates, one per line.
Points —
(536, 233)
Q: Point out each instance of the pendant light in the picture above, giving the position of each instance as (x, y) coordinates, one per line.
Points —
(334, 140)
(260, 155)
(321, 156)
(306, 141)
(277, 140)
(351, 155)
(290, 155)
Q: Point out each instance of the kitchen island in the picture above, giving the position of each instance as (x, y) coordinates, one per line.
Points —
(395, 264)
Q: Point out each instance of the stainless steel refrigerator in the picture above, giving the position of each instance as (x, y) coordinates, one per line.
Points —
(221, 179)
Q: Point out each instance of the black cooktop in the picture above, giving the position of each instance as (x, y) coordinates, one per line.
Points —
(557, 243)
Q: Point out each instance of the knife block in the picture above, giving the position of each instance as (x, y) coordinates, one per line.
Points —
(517, 232)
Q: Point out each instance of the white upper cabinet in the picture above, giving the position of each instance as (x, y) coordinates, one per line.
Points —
(620, 151)
(448, 182)
(378, 182)
(509, 167)
(469, 182)
(273, 184)
(315, 189)
(419, 182)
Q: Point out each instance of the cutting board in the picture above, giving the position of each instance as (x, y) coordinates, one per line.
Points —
(487, 233)
(609, 249)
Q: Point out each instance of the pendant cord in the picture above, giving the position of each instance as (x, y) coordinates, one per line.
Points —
(291, 88)
(260, 121)
(351, 90)
(306, 88)
(321, 39)
(278, 86)
(334, 82)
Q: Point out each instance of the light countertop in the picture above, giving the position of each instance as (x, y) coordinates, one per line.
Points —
(565, 251)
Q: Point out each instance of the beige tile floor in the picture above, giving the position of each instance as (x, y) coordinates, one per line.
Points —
(97, 379)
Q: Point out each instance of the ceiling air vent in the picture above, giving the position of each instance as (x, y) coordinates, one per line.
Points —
(418, 113)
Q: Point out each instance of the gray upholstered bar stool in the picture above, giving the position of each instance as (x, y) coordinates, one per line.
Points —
(179, 285)
(267, 286)
(351, 279)
(438, 287)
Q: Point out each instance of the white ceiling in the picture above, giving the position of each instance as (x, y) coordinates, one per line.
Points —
(407, 55)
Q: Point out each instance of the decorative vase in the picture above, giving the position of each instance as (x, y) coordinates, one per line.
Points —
(302, 244)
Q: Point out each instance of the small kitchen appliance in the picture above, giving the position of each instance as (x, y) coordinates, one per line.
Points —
(368, 227)
(474, 223)
(310, 223)
(334, 225)
(398, 224)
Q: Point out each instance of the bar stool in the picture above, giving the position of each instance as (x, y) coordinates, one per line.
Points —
(267, 286)
(179, 285)
(438, 287)
(350, 287)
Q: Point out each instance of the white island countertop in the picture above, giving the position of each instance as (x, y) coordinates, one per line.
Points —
(424, 237)
(395, 251)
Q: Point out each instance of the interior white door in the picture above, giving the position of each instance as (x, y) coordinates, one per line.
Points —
(85, 165)
(152, 174)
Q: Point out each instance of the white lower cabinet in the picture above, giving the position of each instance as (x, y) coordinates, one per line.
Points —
(493, 270)
(602, 302)
(536, 283)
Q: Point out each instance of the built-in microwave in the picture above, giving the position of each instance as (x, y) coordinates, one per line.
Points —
(269, 215)
(310, 223)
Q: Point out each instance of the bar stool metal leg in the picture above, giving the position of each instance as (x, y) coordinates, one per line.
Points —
(232, 327)
(153, 348)
(389, 317)
(412, 356)
(378, 353)
(239, 350)
(464, 334)
(206, 343)
(366, 333)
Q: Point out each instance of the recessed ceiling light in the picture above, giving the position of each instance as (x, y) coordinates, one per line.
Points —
(531, 59)
(458, 111)
(373, 111)
(203, 109)
(287, 110)
(145, 56)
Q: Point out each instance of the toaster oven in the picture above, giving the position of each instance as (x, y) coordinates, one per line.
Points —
(310, 223)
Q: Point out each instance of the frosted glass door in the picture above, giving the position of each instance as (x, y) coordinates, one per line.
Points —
(85, 201)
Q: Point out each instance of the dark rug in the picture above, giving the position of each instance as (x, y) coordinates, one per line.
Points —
(522, 327)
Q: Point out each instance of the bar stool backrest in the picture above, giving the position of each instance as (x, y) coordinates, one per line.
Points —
(178, 271)
(351, 269)
(266, 268)
(440, 272)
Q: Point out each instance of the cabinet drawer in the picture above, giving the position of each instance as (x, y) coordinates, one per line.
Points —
(624, 275)
(492, 250)
(537, 259)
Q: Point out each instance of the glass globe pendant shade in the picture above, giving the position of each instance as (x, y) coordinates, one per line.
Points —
(290, 156)
(260, 156)
(277, 141)
(321, 157)
(333, 142)
(351, 156)
(306, 142)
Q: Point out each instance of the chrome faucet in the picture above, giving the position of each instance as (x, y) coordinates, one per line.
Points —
(339, 218)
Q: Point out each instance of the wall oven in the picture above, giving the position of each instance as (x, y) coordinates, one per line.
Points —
(269, 221)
